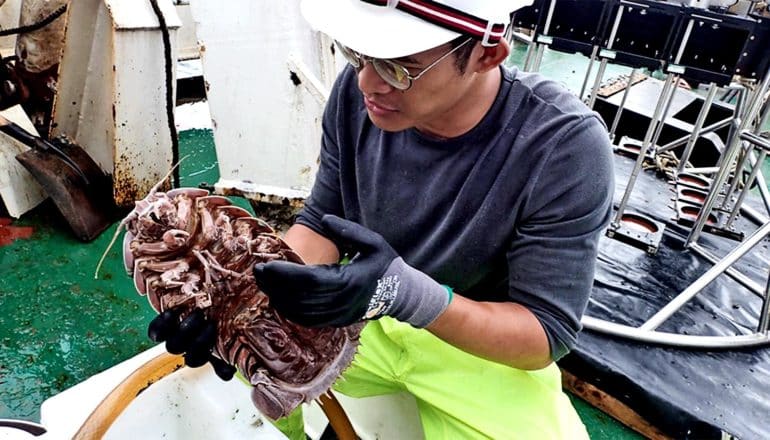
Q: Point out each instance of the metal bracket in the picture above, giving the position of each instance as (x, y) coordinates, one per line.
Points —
(639, 231)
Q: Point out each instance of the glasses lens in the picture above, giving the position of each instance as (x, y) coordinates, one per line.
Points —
(392, 73)
(350, 56)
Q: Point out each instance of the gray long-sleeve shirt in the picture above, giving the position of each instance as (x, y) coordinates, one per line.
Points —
(510, 211)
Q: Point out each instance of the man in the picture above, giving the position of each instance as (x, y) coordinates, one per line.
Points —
(452, 174)
(469, 198)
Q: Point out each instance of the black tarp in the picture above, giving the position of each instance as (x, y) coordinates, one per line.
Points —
(685, 392)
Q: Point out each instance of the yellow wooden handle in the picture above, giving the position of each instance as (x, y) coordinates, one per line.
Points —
(100, 420)
(337, 417)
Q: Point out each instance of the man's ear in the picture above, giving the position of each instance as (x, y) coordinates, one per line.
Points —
(491, 57)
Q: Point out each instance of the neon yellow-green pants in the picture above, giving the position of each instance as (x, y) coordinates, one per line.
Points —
(460, 395)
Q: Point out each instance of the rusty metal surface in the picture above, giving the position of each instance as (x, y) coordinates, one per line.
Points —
(30, 78)
(40, 50)
(86, 206)
(261, 197)
(128, 187)
(111, 97)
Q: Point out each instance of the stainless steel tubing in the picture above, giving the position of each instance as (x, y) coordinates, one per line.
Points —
(541, 46)
(764, 314)
(616, 120)
(677, 142)
(547, 26)
(683, 44)
(643, 150)
(753, 216)
(662, 123)
(673, 339)
(615, 26)
(743, 157)
(704, 111)
(703, 170)
(597, 83)
(693, 289)
(588, 72)
(746, 187)
(603, 65)
(531, 49)
(740, 110)
(764, 116)
(726, 162)
(756, 164)
(538, 57)
(731, 271)
(747, 155)
(763, 191)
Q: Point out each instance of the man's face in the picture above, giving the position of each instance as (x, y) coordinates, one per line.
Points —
(427, 105)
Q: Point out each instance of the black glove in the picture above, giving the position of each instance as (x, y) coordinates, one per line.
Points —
(376, 282)
(193, 336)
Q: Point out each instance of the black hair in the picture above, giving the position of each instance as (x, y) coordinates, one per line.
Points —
(463, 54)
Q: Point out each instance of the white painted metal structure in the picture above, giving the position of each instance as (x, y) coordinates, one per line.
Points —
(40, 50)
(19, 191)
(187, 40)
(111, 94)
(266, 128)
(9, 18)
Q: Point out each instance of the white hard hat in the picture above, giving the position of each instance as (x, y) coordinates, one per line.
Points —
(397, 28)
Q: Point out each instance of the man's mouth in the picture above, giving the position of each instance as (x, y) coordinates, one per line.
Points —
(377, 108)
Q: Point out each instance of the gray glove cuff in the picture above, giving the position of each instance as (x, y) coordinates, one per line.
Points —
(408, 295)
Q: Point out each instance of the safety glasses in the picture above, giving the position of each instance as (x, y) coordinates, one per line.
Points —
(391, 72)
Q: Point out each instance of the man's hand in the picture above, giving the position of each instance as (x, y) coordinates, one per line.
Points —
(376, 282)
(193, 336)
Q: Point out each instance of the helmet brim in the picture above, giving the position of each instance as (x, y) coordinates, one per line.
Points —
(372, 30)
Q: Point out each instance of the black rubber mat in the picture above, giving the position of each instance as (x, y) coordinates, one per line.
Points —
(685, 392)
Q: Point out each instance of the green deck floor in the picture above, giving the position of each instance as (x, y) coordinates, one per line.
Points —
(59, 325)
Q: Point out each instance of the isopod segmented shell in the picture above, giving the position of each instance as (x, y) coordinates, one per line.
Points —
(189, 250)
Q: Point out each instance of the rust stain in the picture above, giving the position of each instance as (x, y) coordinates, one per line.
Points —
(272, 199)
(9, 234)
(127, 188)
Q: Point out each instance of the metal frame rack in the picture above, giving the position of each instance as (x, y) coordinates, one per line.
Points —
(698, 44)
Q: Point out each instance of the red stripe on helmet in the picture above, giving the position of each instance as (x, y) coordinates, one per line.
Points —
(434, 15)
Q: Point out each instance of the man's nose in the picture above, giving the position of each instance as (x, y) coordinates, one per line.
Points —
(370, 82)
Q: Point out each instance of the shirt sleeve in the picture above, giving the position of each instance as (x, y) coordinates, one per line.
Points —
(553, 254)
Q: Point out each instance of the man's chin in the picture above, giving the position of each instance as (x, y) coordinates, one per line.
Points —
(389, 124)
